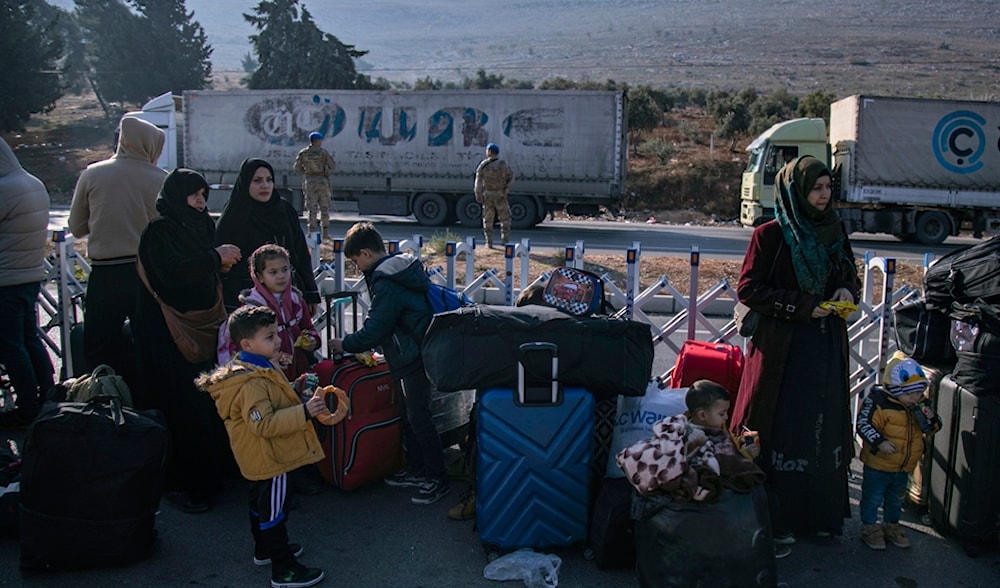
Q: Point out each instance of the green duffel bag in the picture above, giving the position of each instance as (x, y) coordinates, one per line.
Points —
(103, 381)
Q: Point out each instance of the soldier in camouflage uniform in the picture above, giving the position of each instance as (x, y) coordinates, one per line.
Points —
(316, 164)
(493, 179)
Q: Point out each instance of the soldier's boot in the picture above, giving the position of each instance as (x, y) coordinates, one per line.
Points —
(325, 233)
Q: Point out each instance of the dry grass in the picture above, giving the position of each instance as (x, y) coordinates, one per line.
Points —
(651, 268)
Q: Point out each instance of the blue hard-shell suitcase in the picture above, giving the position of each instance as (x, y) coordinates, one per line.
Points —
(534, 460)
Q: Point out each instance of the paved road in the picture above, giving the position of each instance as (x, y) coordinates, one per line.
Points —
(373, 537)
(721, 242)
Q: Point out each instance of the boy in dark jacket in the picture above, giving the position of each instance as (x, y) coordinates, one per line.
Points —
(892, 421)
(397, 320)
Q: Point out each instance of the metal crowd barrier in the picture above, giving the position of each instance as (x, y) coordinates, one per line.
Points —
(68, 272)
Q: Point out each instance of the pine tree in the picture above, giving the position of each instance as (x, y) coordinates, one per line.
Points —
(177, 45)
(115, 55)
(292, 52)
(144, 48)
(30, 51)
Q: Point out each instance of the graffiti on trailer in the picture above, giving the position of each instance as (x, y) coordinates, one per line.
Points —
(441, 129)
(370, 125)
(536, 127)
(288, 121)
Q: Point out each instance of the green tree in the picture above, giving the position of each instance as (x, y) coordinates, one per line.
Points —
(483, 81)
(177, 45)
(816, 105)
(731, 113)
(115, 36)
(644, 114)
(249, 63)
(73, 62)
(769, 109)
(558, 83)
(142, 48)
(427, 84)
(30, 75)
(293, 52)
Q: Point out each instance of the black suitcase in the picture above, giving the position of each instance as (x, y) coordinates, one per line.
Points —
(91, 482)
(965, 465)
(612, 530)
(965, 275)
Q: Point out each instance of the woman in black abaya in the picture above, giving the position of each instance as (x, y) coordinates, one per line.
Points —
(178, 257)
(255, 215)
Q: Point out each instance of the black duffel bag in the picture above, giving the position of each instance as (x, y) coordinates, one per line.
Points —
(91, 481)
(726, 543)
(923, 333)
(965, 275)
(478, 347)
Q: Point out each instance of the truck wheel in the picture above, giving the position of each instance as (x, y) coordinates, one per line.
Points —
(431, 209)
(468, 211)
(933, 227)
(522, 212)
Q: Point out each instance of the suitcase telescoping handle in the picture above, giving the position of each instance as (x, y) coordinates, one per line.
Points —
(523, 384)
(333, 303)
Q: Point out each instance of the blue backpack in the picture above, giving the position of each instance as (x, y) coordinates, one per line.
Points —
(443, 298)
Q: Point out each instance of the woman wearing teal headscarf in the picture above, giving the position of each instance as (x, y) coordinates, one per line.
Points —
(794, 390)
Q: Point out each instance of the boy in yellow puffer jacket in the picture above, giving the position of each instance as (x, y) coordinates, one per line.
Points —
(270, 433)
(893, 420)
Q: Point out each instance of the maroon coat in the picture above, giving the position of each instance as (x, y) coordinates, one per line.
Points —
(768, 284)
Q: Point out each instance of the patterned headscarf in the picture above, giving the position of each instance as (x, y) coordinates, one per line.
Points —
(815, 236)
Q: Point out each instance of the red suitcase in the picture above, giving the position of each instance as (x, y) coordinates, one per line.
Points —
(699, 360)
(368, 444)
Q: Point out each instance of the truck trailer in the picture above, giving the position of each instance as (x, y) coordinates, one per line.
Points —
(402, 153)
(918, 169)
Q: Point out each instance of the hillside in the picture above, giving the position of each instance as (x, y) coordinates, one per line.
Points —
(913, 48)
(909, 47)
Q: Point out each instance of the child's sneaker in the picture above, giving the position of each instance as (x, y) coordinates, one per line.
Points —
(295, 575)
(894, 534)
(465, 509)
(873, 536)
(405, 479)
(431, 491)
(261, 559)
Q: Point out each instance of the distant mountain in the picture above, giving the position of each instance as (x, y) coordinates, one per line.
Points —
(924, 47)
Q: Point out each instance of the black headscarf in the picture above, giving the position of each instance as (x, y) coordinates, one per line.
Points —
(172, 204)
(243, 212)
(815, 236)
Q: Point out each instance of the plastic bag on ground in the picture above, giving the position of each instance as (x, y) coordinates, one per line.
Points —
(538, 570)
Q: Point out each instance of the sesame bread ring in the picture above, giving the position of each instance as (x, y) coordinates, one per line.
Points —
(343, 404)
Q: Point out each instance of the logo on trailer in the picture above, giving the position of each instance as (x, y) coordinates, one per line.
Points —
(960, 141)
